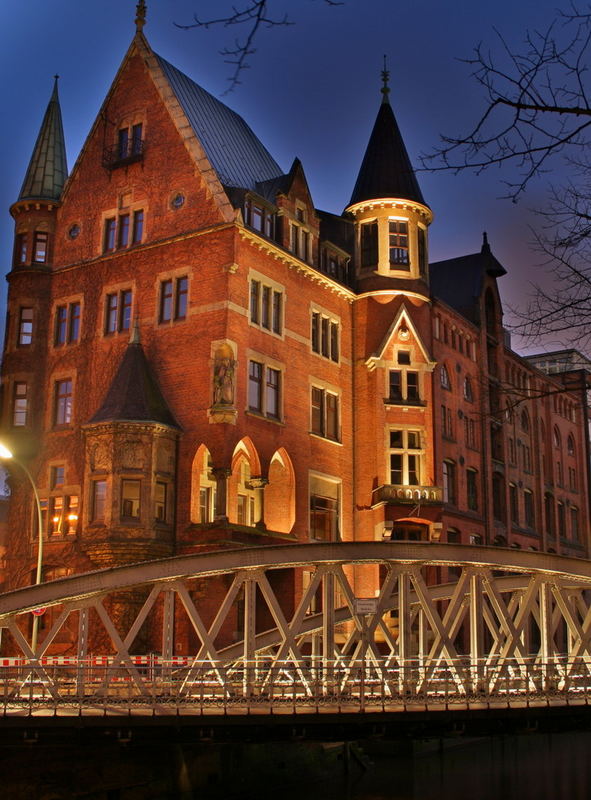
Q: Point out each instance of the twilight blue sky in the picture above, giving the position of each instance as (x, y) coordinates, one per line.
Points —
(312, 91)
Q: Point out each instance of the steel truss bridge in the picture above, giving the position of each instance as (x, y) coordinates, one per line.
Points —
(511, 630)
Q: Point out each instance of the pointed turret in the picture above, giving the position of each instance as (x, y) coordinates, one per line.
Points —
(48, 169)
(386, 170)
(134, 394)
(391, 217)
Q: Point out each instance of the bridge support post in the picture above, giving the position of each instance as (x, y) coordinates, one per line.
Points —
(83, 615)
(476, 633)
(328, 631)
(403, 632)
(250, 599)
(547, 636)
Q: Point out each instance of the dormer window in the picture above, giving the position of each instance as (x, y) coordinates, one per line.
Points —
(398, 244)
(259, 217)
(299, 242)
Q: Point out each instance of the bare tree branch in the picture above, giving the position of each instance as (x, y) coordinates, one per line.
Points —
(254, 15)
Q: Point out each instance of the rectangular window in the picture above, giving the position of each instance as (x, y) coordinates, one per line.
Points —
(181, 297)
(20, 404)
(40, 240)
(109, 238)
(63, 402)
(561, 520)
(138, 227)
(513, 504)
(325, 336)
(324, 509)
(325, 413)
(71, 514)
(20, 249)
(67, 324)
(405, 458)
(99, 500)
(472, 489)
(56, 515)
(422, 247)
(449, 482)
(123, 143)
(166, 301)
(56, 477)
(123, 235)
(528, 508)
(25, 326)
(259, 218)
(264, 390)
(446, 422)
(118, 311)
(130, 499)
(160, 497)
(574, 523)
(369, 244)
(206, 504)
(398, 233)
(136, 139)
(266, 307)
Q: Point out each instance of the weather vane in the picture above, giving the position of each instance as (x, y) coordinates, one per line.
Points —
(385, 76)
(140, 16)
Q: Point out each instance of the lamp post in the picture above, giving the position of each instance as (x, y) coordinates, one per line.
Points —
(5, 453)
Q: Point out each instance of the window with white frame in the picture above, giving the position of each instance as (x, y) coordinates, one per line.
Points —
(398, 244)
(325, 413)
(404, 382)
(406, 455)
(266, 306)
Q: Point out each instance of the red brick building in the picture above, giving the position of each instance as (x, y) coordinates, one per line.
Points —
(197, 357)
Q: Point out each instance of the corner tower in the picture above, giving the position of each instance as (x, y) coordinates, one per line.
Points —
(34, 211)
(391, 217)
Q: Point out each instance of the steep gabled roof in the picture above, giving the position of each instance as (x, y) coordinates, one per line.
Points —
(48, 169)
(386, 170)
(459, 281)
(134, 394)
(237, 155)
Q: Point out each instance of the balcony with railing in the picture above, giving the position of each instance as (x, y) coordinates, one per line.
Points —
(409, 495)
(124, 153)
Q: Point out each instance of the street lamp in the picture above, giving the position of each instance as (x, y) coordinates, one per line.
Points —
(5, 453)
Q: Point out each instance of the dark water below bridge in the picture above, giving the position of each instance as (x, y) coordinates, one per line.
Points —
(520, 767)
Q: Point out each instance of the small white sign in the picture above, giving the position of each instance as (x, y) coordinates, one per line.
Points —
(365, 605)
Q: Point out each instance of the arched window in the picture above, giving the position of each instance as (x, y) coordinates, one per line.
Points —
(556, 438)
(525, 421)
(449, 482)
(444, 376)
(570, 445)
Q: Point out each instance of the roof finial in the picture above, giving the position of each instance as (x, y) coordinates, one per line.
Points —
(485, 245)
(385, 88)
(140, 16)
(55, 80)
(135, 331)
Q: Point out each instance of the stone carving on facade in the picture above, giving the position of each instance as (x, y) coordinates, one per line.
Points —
(224, 385)
(132, 455)
(100, 456)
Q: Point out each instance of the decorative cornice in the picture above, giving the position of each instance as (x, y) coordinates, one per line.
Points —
(128, 425)
(394, 203)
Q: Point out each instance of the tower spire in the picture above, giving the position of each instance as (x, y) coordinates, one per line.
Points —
(385, 90)
(48, 169)
(140, 16)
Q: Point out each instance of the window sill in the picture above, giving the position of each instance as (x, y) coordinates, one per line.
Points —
(268, 331)
(325, 438)
(257, 415)
(390, 401)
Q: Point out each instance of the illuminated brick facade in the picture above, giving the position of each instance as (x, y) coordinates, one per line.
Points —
(196, 357)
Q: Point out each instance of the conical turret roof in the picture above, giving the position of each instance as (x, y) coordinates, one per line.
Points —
(134, 394)
(386, 170)
(48, 168)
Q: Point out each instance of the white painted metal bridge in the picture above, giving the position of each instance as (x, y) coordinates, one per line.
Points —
(511, 629)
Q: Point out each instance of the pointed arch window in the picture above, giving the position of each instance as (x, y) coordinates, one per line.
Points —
(444, 377)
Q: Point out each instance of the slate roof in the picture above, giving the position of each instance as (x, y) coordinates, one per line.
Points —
(237, 155)
(458, 281)
(134, 394)
(386, 170)
(48, 168)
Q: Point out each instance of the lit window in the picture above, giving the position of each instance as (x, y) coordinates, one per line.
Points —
(173, 299)
(118, 311)
(405, 457)
(398, 234)
(20, 404)
(25, 326)
(67, 324)
(99, 500)
(130, 499)
(325, 336)
(325, 413)
(63, 402)
(266, 307)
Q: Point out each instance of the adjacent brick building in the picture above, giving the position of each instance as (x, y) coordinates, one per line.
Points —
(197, 357)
